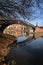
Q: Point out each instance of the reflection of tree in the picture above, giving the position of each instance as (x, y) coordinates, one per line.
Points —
(11, 9)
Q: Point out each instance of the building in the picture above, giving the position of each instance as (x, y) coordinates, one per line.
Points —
(39, 31)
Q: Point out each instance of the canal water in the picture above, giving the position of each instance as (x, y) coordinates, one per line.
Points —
(22, 41)
(26, 50)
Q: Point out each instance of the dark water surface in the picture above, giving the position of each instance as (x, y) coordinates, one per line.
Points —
(26, 51)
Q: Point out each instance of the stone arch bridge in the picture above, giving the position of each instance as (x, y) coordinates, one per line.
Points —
(5, 23)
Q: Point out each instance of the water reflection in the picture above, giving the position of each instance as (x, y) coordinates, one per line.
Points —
(24, 40)
(26, 51)
(21, 47)
(37, 43)
(21, 41)
(38, 35)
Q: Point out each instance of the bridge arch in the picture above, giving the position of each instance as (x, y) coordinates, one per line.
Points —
(6, 24)
(9, 22)
(15, 30)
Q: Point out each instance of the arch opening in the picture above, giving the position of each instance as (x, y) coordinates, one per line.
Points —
(15, 30)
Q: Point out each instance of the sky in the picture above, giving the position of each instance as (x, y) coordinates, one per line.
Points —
(37, 16)
(38, 19)
(33, 13)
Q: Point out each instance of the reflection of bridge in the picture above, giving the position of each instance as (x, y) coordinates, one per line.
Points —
(5, 23)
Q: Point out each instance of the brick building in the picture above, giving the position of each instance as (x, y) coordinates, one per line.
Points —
(39, 31)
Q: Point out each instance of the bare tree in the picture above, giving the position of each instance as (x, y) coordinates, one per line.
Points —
(13, 9)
